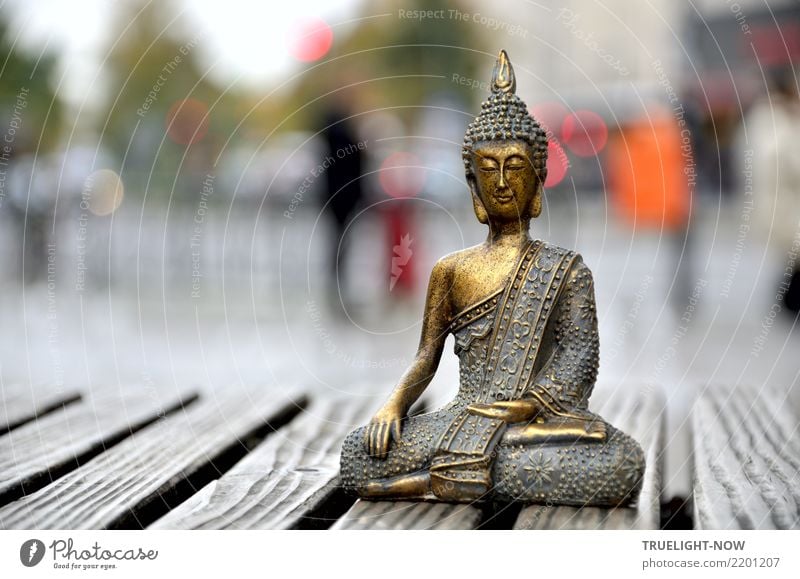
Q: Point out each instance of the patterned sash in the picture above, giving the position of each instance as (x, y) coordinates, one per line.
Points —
(461, 467)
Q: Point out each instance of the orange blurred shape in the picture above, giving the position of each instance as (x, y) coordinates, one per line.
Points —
(585, 133)
(402, 175)
(187, 121)
(310, 39)
(646, 173)
(557, 163)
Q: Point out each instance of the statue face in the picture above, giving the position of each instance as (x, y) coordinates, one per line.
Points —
(505, 180)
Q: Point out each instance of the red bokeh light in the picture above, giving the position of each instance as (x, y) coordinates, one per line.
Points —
(557, 163)
(187, 121)
(310, 39)
(585, 133)
(402, 175)
(551, 115)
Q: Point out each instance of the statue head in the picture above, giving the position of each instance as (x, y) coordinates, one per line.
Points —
(505, 153)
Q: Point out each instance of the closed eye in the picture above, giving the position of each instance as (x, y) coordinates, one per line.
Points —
(515, 162)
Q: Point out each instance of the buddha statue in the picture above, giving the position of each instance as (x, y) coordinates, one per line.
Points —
(523, 315)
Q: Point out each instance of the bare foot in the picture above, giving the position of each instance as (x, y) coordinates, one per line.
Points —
(399, 487)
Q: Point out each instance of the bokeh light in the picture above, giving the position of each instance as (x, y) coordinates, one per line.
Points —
(187, 121)
(105, 191)
(557, 163)
(584, 132)
(402, 175)
(551, 115)
(310, 39)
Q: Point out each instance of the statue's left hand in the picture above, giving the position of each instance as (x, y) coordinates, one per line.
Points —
(523, 410)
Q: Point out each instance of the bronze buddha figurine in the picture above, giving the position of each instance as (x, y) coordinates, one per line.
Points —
(524, 319)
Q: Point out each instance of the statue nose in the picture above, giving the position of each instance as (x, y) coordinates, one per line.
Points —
(502, 183)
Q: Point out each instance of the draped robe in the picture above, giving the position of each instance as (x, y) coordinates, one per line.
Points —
(535, 338)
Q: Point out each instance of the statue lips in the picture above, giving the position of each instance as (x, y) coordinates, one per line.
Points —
(503, 199)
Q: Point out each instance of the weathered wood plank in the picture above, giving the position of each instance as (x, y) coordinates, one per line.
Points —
(746, 460)
(641, 415)
(386, 515)
(283, 479)
(154, 468)
(37, 453)
(22, 404)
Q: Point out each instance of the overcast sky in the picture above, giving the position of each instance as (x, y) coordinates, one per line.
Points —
(242, 40)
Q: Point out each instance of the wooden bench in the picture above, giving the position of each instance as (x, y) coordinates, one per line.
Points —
(44, 446)
(20, 404)
(246, 460)
(286, 482)
(746, 460)
(123, 461)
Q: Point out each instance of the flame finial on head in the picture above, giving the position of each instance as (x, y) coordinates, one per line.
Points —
(503, 78)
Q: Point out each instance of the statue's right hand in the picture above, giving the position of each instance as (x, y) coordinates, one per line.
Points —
(383, 427)
(520, 410)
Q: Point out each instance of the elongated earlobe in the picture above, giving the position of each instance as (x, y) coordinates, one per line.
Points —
(480, 212)
(477, 204)
(536, 202)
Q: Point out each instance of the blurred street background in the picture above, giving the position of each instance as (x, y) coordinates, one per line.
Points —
(243, 193)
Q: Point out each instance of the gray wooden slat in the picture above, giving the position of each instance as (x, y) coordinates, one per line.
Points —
(641, 415)
(746, 460)
(140, 472)
(21, 404)
(281, 480)
(34, 454)
(386, 515)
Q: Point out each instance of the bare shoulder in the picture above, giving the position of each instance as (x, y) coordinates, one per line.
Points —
(453, 262)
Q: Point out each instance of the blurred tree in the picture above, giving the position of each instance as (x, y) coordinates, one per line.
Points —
(390, 48)
(28, 78)
(30, 123)
(159, 103)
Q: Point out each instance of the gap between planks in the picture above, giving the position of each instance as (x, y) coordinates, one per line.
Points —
(138, 480)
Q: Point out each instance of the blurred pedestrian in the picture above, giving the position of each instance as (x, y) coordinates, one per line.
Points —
(32, 184)
(344, 190)
(651, 167)
(772, 126)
